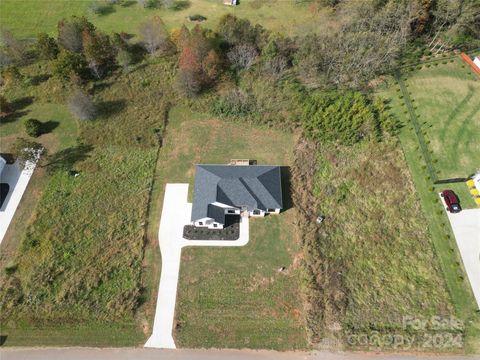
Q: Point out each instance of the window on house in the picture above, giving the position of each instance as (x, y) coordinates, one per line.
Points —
(215, 225)
(256, 212)
(200, 223)
(231, 211)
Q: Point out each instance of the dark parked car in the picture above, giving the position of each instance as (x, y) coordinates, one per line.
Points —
(451, 200)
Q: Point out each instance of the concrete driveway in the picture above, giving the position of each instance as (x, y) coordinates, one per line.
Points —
(466, 228)
(175, 214)
(17, 178)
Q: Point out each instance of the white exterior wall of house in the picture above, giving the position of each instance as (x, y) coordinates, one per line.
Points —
(263, 213)
(476, 61)
(257, 213)
(208, 222)
(476, 180)
(211, 224)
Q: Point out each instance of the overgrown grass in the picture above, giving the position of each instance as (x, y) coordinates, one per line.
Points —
(79, 269)
(93, 334)
(455, 81)
(374, 238)
(29, 17)
(234, 298)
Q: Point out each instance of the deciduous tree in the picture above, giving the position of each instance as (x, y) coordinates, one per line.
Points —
(236, 31)
(190, 76)
(70, 33)
(199, 65)
(81, 106)
(16, 49)
(67, 63)
(99, 52)
(155, 36)
(46, 47)
(242, 56)
(367, 43)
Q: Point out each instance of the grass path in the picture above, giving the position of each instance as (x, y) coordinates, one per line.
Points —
(414, 121)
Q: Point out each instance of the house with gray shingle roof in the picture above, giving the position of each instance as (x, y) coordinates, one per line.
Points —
(226, 190)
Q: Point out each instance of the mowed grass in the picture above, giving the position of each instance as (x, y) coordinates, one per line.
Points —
(448, 108)
(235, 297)
(439, 228)
(77, 267)
(375, 236)
(27, 18)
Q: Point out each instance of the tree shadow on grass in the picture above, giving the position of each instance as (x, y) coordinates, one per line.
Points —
(128, 3)
(98, 87)
(106, 10)
(67, 158)
(13, 116)
(38, 79)
(109, 108)
(138, 53)
(181, 5)
(49, 126)
(22, 103)
(16, 105)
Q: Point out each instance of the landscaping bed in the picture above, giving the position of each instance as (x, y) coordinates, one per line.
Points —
(229, 232)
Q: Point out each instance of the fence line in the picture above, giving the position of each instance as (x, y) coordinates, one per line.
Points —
(439, 59)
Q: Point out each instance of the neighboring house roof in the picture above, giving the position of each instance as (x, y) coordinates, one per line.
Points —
(254, 186)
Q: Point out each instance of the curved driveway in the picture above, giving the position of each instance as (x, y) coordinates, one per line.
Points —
(175, 214)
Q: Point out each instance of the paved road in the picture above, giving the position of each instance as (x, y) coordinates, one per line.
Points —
(466, 228)
(156, 354)
(176, 213)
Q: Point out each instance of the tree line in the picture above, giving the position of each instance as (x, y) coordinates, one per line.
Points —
(265, 77)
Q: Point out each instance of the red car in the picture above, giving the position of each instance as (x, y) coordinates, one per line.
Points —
(451, 200)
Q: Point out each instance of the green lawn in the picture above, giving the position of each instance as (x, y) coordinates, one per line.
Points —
(26, 18)
(235, 298)
(449, 112)
(454, 159)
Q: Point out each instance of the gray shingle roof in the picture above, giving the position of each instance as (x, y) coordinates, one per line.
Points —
(254, 186)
